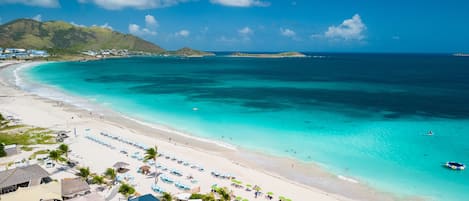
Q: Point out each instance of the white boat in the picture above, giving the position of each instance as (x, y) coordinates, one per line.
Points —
(455, 165)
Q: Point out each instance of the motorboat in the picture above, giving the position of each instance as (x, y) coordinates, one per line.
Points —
(455, 165)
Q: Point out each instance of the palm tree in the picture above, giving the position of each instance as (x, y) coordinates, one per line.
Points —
(209, 197)
(223, 192)
(84, 173)
(152, 153)
(54, 155)
(126, 190)
(98, 179)
(111, 174)
(166, 197)
(64, 149)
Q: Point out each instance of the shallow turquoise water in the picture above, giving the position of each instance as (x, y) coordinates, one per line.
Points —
(363, 116)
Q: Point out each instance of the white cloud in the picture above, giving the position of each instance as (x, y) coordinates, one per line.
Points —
(241, 3)
(150, 21)
(287, 32)
(77, 25)
(136, 30)
(183, 33)
(138, 4)
(396, 38)
(105, 25)
(350, 29)
(40, 3)
(37, 17)
(245, 31)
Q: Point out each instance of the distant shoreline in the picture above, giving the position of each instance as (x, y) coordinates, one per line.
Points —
(269, 55)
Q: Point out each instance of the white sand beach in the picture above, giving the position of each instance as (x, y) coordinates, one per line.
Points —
(282, 176)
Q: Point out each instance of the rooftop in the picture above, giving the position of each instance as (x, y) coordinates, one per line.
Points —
(21, 175)
(70, 187)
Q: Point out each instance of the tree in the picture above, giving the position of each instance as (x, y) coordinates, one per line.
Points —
(223, 192)
(152, 154)
(209, 197)
(2, 150)
(126, 190)
(111, 174)
(166, 197)
(98, 179)
(64, 149)
(84, 173)
(55, 155)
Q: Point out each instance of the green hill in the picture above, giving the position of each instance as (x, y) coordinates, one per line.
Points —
(27, 33)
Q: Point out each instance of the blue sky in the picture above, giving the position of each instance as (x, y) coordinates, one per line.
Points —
(268, 25)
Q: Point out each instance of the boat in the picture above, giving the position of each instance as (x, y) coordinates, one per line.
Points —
(430, 133)
(455, 165)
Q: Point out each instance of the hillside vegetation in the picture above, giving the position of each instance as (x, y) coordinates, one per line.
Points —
(59, 35)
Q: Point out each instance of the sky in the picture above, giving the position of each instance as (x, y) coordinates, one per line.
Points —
(418, 26)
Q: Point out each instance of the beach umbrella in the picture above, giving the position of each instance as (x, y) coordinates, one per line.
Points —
(238, 198)
(245, 199)
(248, 185)
(119, 165)
(214, 187)
(281, 198)
(270, 193)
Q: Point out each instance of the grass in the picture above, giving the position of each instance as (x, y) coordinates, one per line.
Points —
(28, 137)
(26, 148)
(8, 128)
(33, 156)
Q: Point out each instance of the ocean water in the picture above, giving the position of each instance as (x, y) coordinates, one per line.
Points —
(364, 116)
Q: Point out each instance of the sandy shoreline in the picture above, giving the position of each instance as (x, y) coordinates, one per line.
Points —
(289, 177)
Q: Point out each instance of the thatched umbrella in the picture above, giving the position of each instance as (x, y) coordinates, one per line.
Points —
(145, 169)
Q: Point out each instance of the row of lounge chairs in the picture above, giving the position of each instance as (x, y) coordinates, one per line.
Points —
(99, 141)
(126, 141)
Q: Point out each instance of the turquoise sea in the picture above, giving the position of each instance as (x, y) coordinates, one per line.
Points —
(364, 116)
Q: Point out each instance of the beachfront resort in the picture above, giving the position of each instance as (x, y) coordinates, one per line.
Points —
(44, 164)
(21, 53)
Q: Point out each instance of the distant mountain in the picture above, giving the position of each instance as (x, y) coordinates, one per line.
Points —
(27, 33)
(188, 52)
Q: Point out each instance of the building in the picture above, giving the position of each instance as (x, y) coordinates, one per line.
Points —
(75, 187)
(33, 175)
(11, 149)
(50, 191)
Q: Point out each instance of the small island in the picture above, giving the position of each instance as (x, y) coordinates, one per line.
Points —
(461, 55)
(188, 52)
(269, 55)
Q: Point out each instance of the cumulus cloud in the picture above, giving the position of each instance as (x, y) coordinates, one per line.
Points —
(37, 17)
(105, 25)
(241, 3)
(77, 25)
(350, 29)
(245, 31)
(183, 33)
(149, 29)
(40, 3)
(136, 30)
(138, 4)
(287, 32)
(150, 21)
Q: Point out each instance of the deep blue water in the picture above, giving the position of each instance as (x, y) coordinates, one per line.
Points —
(360, 115)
